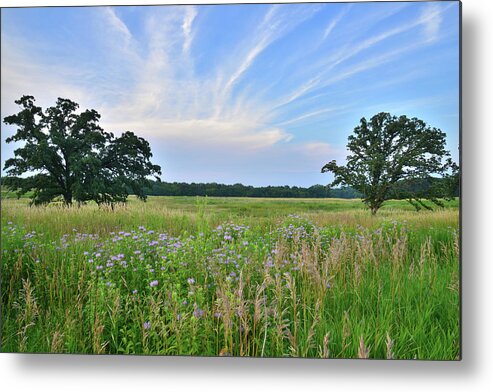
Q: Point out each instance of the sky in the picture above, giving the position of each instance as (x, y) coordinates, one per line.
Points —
(256, 94)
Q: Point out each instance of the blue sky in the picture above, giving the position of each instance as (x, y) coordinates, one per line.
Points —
(258, 94)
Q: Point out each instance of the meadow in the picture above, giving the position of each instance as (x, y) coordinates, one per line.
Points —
(318, 278)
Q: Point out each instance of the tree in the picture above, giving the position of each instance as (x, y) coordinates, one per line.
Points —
(69, 155)
(389, 154)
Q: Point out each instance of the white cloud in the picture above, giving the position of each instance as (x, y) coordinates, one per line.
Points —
(190, 14)
(311, 114)
(431, 18)
(334, 22)
(116, 23)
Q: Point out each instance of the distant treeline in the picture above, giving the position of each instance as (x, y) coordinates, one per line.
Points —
(240, 190)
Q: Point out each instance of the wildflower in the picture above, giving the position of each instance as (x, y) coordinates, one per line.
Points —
(191, 280)
(134, 292)
(147, 325)
(154, 283)
(198, 313)
(227, 237)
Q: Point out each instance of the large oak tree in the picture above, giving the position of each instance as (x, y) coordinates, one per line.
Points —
(397, 157)
(67, 154)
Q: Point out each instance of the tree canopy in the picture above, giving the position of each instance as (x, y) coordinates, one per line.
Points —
(68, 155)
(397, 157)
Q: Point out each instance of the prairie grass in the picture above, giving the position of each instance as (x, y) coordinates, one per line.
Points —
(242, 277)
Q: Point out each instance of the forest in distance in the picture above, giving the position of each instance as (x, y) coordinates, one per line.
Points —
(239, 190)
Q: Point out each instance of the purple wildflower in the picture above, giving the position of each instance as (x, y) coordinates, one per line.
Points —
(154, 283)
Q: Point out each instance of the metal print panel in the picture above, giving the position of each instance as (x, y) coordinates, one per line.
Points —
(263, 180)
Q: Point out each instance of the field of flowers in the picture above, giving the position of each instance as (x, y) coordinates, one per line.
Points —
(179, 277)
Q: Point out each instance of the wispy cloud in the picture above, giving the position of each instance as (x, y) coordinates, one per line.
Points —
(334, 22)
(116, 23)
(274, 26)
(310, 115)
(190, 14)
(431, 18)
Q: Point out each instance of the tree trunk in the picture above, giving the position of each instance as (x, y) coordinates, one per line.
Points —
(374, 208)
(67, 198)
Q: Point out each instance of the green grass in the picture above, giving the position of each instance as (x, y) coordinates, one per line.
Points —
(235, 276)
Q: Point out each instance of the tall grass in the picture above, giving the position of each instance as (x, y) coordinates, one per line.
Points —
(193, 276)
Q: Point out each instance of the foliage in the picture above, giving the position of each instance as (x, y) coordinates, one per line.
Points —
(240, 190)
(69, 155)
(393, 157)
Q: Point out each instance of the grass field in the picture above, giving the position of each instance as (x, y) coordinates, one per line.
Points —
(232, 276)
